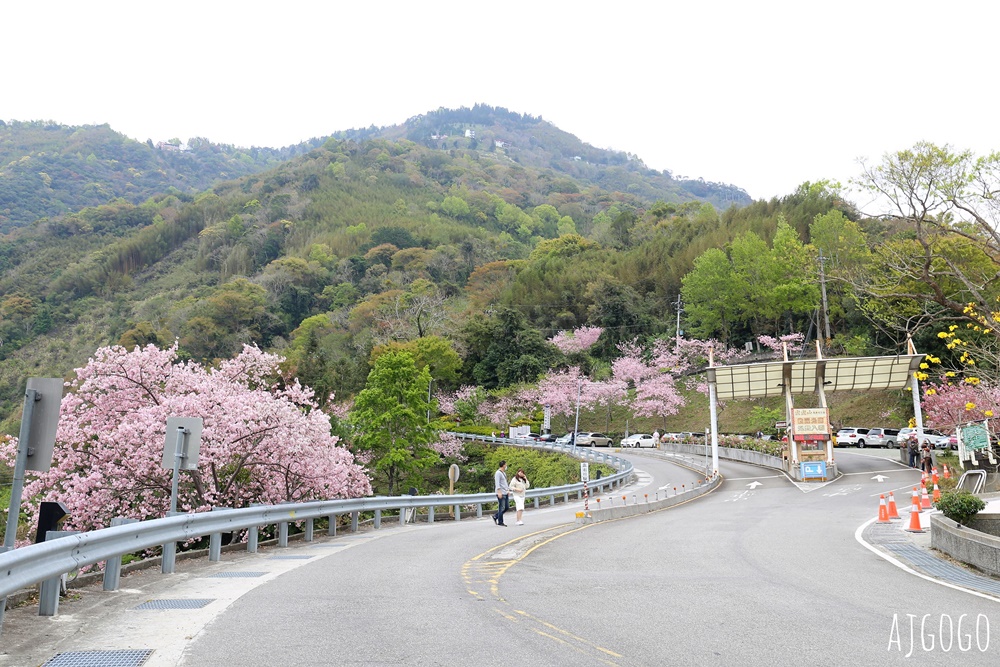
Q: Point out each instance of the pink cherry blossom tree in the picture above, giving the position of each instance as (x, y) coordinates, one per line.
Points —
(261, 441)
(578, 340)
(948, 403)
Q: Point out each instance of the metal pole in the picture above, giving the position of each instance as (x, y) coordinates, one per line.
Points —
(178, 455)
(822, 284)
(430, 383)
(17, 484)
(169, 556)
(576, 424)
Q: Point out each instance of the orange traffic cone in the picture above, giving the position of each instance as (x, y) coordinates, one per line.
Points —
(893, 512)
(937, 493)
(947, 473)
(883, 511)
(914, 526)
(934, 476)
(915, 501)
(925, 500)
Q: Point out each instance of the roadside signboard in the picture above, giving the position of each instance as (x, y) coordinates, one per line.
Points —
(813, 470)
(975, 436)
(810, 421)
(584, 471)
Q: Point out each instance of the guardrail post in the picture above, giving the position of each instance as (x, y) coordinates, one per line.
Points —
(309, 530)
(215, 542)
(458, 512)
(331, 529)
(252, 534)
(282, 533)
(169, 555)
(354, 521)
(402, 516)
(479, 511)
(113, 566)
(552, 499)
(430, 514)
(378, 519)
(536, 502)
(48, 595)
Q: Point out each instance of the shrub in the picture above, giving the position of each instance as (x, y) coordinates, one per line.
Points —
(960, 505)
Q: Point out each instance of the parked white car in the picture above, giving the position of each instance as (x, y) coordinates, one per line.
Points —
(639, 440)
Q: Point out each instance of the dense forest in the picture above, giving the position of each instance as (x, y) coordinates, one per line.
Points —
(468, 237)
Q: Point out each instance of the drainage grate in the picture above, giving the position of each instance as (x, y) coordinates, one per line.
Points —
(175, 604)
(942, 569)
(290, 557)
(122, 658)
(887, 533)
(236, 575)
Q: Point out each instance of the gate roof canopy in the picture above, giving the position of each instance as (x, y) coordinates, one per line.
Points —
(804, 375)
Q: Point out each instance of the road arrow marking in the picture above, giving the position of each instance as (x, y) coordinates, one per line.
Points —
(754, 484)
(880, 478)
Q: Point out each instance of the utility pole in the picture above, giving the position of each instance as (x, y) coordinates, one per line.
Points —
(822, 285)
(679, 309)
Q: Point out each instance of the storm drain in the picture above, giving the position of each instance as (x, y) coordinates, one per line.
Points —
(290, 557)
(175, 604)
(121, 658)
(942, 569)
(236, 575)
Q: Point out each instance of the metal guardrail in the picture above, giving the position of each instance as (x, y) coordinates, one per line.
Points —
(45, 561)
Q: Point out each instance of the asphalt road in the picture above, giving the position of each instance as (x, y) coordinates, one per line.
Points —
(760, 572)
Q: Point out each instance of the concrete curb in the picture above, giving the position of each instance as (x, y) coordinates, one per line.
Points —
(622, 511)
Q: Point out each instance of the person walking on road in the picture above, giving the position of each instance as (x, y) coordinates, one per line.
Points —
(502, 491)
(914, 449)
(518, 486)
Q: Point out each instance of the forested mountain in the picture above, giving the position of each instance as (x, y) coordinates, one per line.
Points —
(469, 258)
(48, 169)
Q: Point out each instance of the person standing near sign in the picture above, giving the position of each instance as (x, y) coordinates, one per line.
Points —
(926, 461)
(913, 447)
(502, 491)
(518, 487)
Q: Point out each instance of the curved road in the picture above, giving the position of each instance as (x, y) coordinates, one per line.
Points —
(760, 572)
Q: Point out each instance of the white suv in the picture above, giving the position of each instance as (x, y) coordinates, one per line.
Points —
(852, 436)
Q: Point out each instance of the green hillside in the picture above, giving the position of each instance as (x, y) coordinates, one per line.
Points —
(383, 238)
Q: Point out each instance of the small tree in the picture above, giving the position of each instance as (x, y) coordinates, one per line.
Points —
(389, 419)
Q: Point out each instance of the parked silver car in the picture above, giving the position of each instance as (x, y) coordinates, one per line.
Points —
(593, 440)
(882, 437)
(936, 439)
(850, 436)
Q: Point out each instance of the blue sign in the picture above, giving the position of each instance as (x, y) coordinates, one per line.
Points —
(814, 470)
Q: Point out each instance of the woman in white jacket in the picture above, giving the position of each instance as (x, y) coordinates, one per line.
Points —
(518, 486)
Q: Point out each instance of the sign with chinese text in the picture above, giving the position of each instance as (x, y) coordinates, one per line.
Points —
(975, 436)
(810, 421)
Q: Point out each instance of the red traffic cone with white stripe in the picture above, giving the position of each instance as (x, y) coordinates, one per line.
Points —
(937, 493)
(893, 512)
(934, 476)
(914, 526)
(883, 510)
(915, 501)
(947, 473)
(925, 500)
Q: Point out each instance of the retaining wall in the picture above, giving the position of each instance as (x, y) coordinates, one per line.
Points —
(645, 505)
(966, 544)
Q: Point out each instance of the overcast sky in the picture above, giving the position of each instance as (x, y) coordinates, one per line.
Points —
(763, 95)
